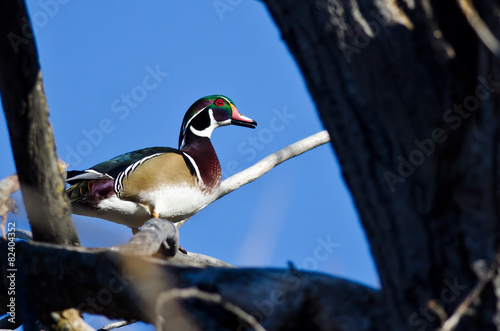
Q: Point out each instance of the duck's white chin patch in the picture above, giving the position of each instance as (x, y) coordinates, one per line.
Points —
(175, 203)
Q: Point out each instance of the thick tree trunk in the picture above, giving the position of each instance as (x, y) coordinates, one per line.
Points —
(30, 132)
(410, 94)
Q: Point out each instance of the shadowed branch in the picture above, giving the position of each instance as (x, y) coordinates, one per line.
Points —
(135, 287)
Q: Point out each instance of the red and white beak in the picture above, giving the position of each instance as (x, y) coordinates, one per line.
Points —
(238, 119)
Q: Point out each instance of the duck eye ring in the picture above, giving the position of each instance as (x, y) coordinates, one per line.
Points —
(219, 102)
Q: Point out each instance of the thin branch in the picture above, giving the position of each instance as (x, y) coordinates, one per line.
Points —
(117, 325)
(263, 166)
(484, 279)
(266, 164)
(479, 26)
(165, 298)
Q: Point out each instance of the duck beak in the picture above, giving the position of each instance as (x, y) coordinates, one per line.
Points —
(238, 119)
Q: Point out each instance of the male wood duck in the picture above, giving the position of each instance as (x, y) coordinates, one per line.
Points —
(159, 181)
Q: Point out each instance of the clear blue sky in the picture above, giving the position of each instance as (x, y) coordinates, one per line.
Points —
(119, 76)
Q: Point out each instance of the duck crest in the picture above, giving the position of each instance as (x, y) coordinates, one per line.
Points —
(206, 162)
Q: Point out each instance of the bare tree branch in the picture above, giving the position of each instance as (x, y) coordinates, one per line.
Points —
(479, 26)
(166, 309)
(130, 286)
(263, 166)
(485, 277)
(116, 325)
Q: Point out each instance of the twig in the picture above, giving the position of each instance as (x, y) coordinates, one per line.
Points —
(451, 323)
(117, 325)
(437, 309)
(195, 293)
(263, 166)
(479, 26)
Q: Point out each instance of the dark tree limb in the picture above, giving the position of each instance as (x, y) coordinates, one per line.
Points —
(135, 287)
(31, 135)
(409, 94)
(32, 140)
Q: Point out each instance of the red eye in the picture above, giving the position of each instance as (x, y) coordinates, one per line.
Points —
(219, 102)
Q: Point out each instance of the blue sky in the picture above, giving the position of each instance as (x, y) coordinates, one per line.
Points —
(119, 76)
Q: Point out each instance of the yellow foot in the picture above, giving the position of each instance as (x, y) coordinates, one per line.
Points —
(155, 215)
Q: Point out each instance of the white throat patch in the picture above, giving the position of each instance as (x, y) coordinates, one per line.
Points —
(208, 131)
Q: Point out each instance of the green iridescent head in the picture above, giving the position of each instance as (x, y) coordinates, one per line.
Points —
(210, 112)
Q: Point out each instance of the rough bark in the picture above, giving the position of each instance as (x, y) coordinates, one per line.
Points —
(161, 237)
(174, 297)
(409, 94)
(38, 172)
(31, 135)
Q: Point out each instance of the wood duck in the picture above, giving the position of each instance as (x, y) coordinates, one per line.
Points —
(159, 181)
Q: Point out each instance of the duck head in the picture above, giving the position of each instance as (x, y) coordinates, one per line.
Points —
(209, 113)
